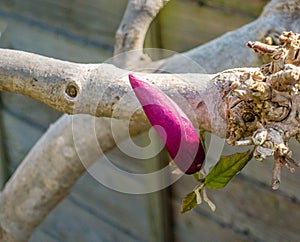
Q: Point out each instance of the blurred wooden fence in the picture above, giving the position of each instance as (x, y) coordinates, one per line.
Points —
(83, 31)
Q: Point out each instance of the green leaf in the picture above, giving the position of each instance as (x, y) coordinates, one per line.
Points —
(189, 202)
(226, 168)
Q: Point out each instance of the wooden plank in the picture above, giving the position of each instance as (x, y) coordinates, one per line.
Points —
(159, 203)
(261, 172)
(249, 209)
(30, 110)
(195, 227)
(238, 7)
(4, 171)
(24, 121)
(92, 19)
(4, 174)
(40, 235)
(70, 222)
(182, 24)
(41, 41)
(125, 211)
(185, 24)
(160, 216)
(156, 206)
(19, 138)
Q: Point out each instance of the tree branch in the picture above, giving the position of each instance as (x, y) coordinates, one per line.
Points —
(50, 169)
(98, 89)
(132, 30)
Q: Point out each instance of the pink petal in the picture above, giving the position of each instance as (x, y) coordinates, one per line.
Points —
(172, 125)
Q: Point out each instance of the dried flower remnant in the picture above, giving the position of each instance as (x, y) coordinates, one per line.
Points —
(262, 103)
(172, 125)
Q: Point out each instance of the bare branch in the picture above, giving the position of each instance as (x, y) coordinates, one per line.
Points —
(244, 102)
(98, 89)
(132, 31)
(49, 171)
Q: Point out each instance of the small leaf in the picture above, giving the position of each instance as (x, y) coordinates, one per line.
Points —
(189, 202)
(226, 168)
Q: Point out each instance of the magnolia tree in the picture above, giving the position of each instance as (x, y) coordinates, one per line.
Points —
(255, 105)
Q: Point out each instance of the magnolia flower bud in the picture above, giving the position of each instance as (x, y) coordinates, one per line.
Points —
(172, 125)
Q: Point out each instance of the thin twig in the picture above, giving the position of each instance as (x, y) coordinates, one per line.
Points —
(276, 174)
(261, 48)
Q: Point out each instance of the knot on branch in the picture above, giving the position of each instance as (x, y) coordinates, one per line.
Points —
(263, 104)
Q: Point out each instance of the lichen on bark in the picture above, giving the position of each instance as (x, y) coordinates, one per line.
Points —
(262, 103)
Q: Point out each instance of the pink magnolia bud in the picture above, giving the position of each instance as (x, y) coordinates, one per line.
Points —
(172, 125)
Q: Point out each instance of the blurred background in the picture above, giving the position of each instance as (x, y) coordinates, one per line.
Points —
(83, 31)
